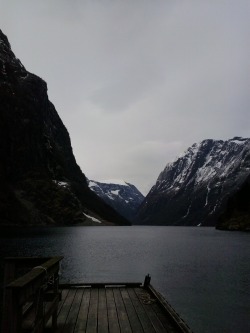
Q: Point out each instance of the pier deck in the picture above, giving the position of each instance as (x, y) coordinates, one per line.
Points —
(34, 301)
(113, 309)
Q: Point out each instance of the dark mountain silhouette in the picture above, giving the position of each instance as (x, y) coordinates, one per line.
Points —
(41, 182)
(237, 213)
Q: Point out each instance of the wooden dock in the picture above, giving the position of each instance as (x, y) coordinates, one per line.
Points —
(89, 308)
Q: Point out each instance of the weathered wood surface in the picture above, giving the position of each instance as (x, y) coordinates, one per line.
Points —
(113, 310)
(33, 300)
(30, 299)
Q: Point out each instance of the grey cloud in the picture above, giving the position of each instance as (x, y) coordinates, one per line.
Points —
(137, 82)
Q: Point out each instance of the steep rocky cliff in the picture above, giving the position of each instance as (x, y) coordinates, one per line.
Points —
(237, 213)
(194, 189)
(125, 198)
(41, 182)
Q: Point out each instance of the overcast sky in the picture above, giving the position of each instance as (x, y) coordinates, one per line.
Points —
(137, 82)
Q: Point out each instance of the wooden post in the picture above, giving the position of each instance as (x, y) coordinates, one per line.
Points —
(55, 290)
(8, 300)
(12, 322)
(147, 281)
(39, 304)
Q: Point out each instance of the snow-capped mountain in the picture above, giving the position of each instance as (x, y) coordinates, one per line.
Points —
(194, 189)
(125, 198)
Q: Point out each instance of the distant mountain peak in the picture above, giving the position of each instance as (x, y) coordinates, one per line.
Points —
(115, 182)
(125, 198)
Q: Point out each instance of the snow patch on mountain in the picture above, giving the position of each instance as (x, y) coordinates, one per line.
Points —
(197, 184)
(61, 183)
(122, 196)
(115, 182)
(94, 219)
(116, 192)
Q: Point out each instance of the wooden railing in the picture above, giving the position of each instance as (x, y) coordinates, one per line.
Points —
(30, 293)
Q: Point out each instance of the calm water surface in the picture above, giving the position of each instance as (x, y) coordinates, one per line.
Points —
(203, 273)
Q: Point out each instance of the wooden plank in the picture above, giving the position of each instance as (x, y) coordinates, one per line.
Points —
(142, 315)
(132, 315)
(112, 314)
(63, 314)
(22, 261)
(113, 310)
(9, 276)
(92, 315)
(64, 294)
(164, 318)
(47, 311)
(121, 311)
(82, 318)
(177, 321)
(15, 323)
(70, 323)
(147, 301)
(48, 267)
(29, 284)
(102, 312)
(101, 284)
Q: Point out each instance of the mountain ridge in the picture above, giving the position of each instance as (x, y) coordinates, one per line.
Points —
(195, 187)
(124, 197)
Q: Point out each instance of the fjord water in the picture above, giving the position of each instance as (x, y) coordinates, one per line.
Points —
(203, 273)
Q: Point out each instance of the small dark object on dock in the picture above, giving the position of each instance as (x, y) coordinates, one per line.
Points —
(35, 302)
(147, 281)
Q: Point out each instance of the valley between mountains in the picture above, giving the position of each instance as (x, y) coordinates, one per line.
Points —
(42, 184)
(207, 186)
